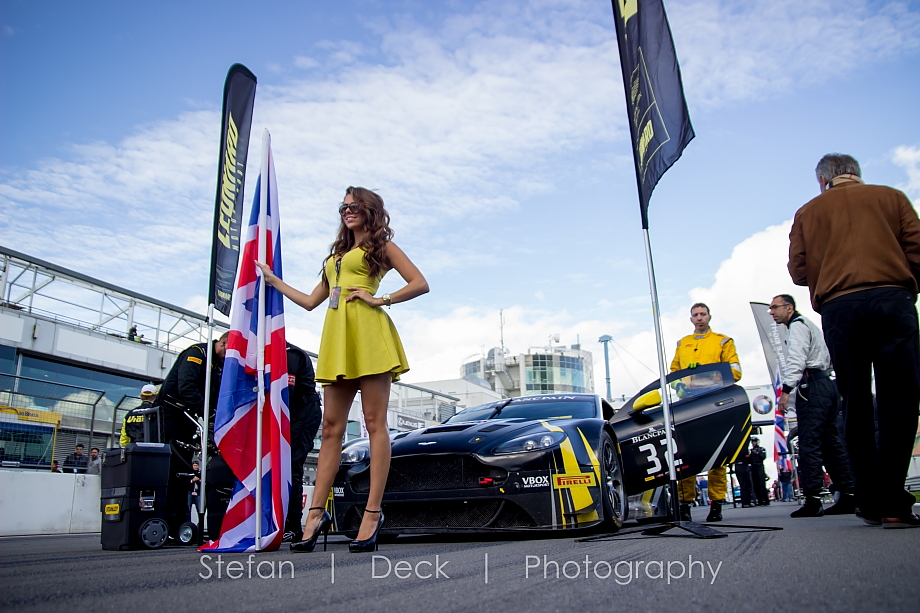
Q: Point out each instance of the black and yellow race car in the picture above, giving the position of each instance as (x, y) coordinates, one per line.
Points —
(547, 462)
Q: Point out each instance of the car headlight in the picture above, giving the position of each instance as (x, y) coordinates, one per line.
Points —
(355, 454)
(539, 441)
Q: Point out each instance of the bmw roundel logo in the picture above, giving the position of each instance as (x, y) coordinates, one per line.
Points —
(762, 404)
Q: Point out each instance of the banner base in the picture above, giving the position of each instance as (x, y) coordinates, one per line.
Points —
(702, 531)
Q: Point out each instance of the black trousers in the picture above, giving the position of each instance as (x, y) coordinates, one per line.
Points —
(820, 445)
(220, 484)
(304, 425)
(177, 509)
(759, 478)
(746, 484)
(876, 329)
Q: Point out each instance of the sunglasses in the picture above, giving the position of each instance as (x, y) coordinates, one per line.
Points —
(351, 207)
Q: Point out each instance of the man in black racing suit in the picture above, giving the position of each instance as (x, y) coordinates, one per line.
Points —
(183, 392)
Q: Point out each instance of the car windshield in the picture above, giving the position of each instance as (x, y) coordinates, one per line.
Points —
(548, 407)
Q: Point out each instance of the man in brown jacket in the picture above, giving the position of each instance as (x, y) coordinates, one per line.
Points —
(857, 248)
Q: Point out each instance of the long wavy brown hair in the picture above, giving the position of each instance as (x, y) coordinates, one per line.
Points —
(377, 224)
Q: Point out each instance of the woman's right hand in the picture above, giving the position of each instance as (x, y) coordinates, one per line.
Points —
(307, 301)
(267, 273)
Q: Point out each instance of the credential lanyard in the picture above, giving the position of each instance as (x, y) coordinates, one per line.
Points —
(337, 290)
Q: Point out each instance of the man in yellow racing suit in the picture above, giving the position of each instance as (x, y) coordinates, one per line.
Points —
(704, 347)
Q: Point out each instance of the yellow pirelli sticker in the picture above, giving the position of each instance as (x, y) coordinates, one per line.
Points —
(112, 509)
(194, 359)
(578, 480)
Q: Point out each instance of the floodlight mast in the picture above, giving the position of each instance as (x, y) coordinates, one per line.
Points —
(606, 339)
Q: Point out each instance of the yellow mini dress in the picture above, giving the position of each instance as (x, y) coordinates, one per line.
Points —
(358, 339)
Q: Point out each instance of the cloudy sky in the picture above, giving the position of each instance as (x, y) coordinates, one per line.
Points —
(495, 132)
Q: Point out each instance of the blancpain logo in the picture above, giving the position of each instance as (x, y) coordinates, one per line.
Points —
(538, 481)
(647, 435)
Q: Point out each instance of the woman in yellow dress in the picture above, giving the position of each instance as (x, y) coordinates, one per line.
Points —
(359, 350)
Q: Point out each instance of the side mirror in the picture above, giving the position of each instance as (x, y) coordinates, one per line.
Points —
(647, 400)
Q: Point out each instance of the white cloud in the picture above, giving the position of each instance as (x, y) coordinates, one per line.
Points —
(908, 158)
(137, 213)
(755, 272)
(302, 61)
(733, 51)
(452, 124)
(458, 121)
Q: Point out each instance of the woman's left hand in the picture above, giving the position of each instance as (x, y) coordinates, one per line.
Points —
(362, 294)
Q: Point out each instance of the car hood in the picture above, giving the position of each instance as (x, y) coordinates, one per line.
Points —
(468, 437)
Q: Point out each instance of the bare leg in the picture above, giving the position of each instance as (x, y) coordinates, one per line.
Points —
(338, 399)
(375, 397)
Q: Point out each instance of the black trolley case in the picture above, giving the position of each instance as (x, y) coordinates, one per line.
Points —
(133, 504)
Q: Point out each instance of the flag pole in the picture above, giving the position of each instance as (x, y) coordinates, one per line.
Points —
(204, 434)
(263, 210)
(663, 378)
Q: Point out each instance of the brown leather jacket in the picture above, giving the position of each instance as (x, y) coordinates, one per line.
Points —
(855, 237)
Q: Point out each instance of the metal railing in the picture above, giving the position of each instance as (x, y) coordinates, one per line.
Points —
(42, 421)
(53, 292)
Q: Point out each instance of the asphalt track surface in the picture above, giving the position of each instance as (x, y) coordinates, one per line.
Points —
(815, 564)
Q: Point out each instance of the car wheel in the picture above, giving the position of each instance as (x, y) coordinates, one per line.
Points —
(613, 488)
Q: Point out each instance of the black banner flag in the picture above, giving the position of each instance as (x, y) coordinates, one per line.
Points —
(239, 96)
(658, 119)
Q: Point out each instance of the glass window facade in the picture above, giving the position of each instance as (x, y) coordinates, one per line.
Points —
(471, 368)
(546, 374)
(7, 360)
(115, 386)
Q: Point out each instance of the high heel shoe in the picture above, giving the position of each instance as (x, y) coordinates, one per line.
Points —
(325, 523)
(369, 544)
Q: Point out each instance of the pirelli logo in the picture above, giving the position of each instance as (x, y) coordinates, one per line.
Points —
(567, 481)
(112, 509)
(194, 359)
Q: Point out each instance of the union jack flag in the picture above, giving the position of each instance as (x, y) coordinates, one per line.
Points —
(780, 447)
(236, 424)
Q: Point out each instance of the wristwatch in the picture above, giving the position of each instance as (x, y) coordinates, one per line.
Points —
(387, 300)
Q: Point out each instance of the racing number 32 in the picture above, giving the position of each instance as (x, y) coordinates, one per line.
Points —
(652, 452)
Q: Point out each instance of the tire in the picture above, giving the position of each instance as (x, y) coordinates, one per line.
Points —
(188, 534)
(613, 487)
(153, 533)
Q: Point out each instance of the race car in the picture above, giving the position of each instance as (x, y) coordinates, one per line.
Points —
(546, 462)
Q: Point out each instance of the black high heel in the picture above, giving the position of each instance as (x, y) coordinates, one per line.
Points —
(369, 544)
(309, 544)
